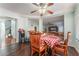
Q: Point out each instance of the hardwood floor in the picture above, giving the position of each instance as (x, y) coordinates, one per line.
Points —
(16, 50)
(24, 50)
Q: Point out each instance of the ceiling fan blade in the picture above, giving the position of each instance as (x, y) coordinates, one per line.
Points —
(49, 4)
(35, 4)
(33, 11)
(50, 12)
(42, 4)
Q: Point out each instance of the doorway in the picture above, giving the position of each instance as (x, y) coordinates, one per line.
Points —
(7, 31)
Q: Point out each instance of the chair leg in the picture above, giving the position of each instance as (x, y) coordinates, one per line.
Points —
(66, 53)
(32, 51)
(53, 52)
(45, 51)
(39, 54)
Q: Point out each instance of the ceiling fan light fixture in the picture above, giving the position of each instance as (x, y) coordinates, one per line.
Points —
(45, 6)
(42, 11)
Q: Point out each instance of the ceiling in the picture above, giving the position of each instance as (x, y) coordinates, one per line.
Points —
(25, 8)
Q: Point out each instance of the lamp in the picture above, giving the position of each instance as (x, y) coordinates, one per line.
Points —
(69, 33)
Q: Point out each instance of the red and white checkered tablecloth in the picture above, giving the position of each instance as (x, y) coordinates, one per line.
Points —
(50, 40)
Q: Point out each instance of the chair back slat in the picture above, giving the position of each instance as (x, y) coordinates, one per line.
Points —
(35, 38)
(68, 37)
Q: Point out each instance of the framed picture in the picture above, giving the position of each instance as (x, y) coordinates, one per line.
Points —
(53, 29)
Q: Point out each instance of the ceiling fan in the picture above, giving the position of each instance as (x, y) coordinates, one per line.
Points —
(42, 8)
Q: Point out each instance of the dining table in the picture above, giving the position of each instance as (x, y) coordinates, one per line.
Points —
(50, 40)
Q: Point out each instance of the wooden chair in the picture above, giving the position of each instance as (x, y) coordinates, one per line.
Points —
(62, 48)
(35, 43)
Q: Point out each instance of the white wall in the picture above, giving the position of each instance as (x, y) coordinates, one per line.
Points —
(60, 26)
(2, 34)
(41, 24)
(77, 26)
(13, 28)
(68, 23)
(77, 21)
(69, 26)
(72, 24)
(32, 24)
